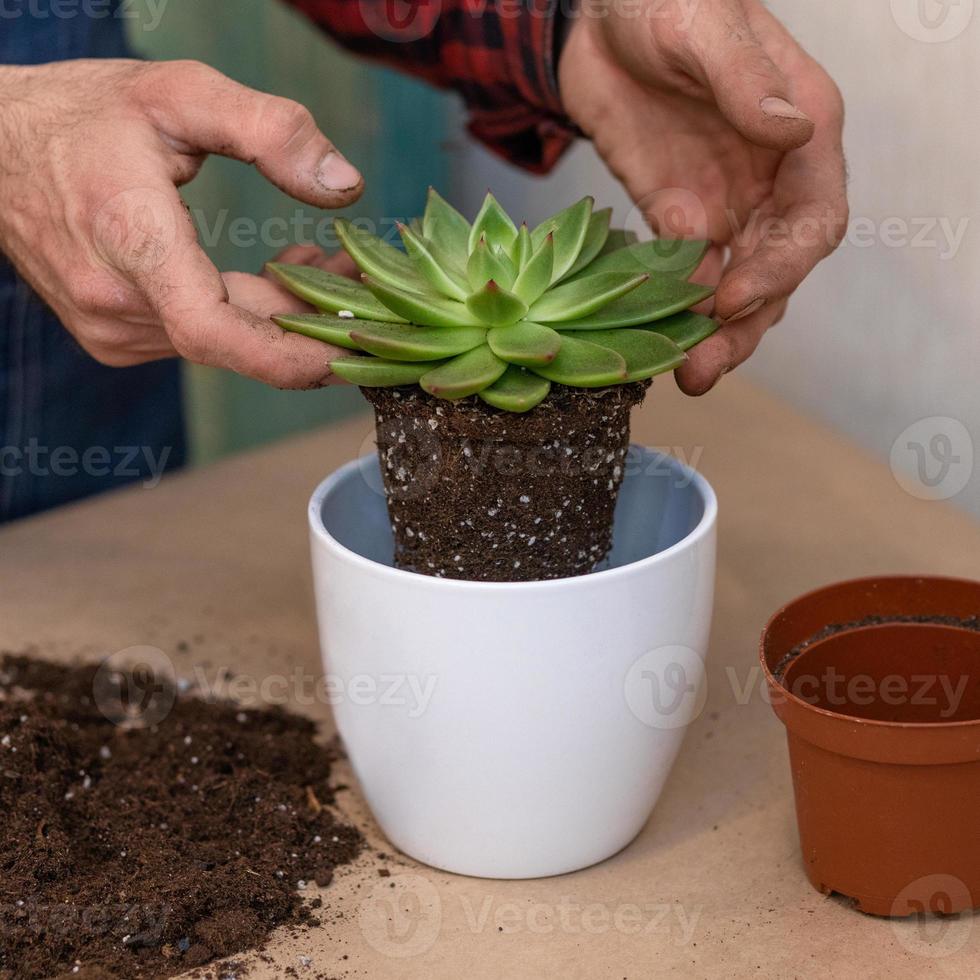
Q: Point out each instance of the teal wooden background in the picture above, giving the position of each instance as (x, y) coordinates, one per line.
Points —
(391, 127)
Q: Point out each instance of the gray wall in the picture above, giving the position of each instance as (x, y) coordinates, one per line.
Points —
(886, 333)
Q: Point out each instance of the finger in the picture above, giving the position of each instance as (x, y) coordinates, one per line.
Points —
(266, 299)
(725, 350)
(750, 90)
(192, 302)
(712, 267)
(784, 249)
(199, 109)
(261, 296)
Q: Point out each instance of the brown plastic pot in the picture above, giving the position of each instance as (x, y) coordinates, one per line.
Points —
(883, 724)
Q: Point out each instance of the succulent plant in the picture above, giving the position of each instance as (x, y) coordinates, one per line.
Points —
(501, 312)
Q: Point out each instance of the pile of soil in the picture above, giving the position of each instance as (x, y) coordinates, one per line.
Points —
(491, 496)
(144, 852)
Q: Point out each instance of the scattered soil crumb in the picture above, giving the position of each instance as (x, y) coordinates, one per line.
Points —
(144, 852)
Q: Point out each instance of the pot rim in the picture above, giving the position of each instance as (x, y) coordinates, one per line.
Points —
(701, 530)
(785, 695)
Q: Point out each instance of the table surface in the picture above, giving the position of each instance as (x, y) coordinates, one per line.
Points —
(215, 561)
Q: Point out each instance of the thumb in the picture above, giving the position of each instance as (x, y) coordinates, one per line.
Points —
(197, 109)
(750, 90)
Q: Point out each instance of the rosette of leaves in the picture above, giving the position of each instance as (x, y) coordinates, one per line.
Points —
(502, 312)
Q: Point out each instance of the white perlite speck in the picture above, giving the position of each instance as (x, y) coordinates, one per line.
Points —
(346, 314)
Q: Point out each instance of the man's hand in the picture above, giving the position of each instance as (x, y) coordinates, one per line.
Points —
(91, 155)
(720, 126)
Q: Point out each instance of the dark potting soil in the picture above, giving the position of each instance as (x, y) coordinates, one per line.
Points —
(128, 852)
(485, 495)
(969, 623)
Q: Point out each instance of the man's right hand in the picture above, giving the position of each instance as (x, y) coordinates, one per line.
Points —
(91, 155)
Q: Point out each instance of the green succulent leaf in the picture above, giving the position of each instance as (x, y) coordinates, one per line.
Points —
(535, 276)
(676, 258)
(525, 343)
(496, 307)
(377, 258)
(522, 248)
(569, 228)
(444, 226)
(493, 222)
(573, 300)
(646, 353)
(486, 263)
(330, 292)
(453, 263)
(685, 329)
(506, 263)
(581, 364)
(658, 297)
(516, 390)
(406, 342)
(375, 372)
(595, 239)
(464, 375)
(330, 329)
(430, 310)
(618, 238)
(435, 273)
(502, 313)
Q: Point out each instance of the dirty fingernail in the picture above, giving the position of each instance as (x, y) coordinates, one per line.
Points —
(745, 311)
(772, 105)
(336, 174)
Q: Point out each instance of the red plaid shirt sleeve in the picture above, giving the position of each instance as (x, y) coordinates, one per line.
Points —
(498, 54)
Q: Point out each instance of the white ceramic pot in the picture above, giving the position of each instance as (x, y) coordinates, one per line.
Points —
(516, 730)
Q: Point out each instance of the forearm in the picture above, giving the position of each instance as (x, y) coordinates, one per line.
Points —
(499, 57)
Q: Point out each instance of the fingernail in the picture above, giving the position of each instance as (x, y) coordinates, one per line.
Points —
(745, 311)
(772, 105)
(336, 174)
